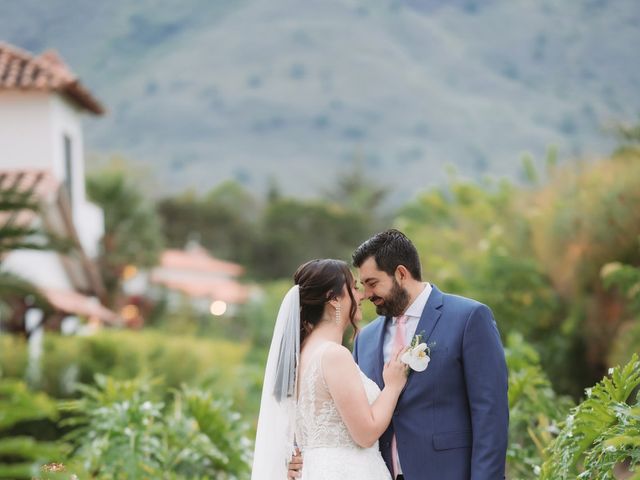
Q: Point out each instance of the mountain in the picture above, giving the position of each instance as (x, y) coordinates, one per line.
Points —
(207, 90)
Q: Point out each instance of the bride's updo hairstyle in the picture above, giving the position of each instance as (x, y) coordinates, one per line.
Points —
(319, 282)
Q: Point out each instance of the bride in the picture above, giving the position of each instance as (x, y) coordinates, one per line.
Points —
(314, 395)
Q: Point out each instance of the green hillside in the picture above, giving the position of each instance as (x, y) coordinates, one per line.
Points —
(208, 90)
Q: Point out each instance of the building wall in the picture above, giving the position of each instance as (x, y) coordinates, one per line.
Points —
(33, 126)
(88, 218)
(44, 269)
(89, 221)
(65, 121)
(25, 126)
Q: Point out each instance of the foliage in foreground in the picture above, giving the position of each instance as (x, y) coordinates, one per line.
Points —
(601, 432)
(22, 455)
(121, 429)
(535, 410)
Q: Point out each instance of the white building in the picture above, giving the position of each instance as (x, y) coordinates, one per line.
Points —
(41, 145)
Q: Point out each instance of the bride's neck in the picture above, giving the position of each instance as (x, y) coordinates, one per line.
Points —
(327, 330)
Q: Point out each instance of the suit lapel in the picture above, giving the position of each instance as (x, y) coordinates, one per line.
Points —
(430, 315)
(428, 321)
(378, 336)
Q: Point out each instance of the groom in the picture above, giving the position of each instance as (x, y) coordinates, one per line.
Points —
(451, 421)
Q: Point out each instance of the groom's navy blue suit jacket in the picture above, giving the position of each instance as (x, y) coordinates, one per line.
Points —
(451, 421)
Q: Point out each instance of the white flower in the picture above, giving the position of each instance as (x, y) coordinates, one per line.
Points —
(611, 371)
(536, 469)
(416, 357)
(588, 391)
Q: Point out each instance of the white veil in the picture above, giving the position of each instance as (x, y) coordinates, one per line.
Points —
(276, 423)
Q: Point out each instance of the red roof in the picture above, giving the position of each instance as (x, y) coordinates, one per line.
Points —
(20, 70)
(198, 259)
(228, 291)
(196, 273)
(42, 183)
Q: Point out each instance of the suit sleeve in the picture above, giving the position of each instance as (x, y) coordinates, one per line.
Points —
(486, 377)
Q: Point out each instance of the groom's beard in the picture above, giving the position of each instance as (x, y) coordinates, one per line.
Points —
(395, 303)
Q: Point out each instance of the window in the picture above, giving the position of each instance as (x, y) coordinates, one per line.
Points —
(68, 166)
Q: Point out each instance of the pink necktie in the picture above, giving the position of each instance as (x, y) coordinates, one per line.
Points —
(399, 341)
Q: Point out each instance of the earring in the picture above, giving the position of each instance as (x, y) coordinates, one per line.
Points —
(338, 309)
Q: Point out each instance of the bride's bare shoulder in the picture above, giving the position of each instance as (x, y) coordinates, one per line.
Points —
(336, 354)
(339, 370)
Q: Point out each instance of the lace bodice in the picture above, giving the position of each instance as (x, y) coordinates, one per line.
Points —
(318, 422)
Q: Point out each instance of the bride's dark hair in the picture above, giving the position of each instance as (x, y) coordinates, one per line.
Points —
(320, 281)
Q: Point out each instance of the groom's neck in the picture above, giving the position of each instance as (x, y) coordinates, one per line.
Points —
(414, 288)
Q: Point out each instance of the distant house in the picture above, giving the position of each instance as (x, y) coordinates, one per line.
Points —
(211, 284)
(41, 147)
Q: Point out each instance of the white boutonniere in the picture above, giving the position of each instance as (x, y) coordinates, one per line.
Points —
(418, 354)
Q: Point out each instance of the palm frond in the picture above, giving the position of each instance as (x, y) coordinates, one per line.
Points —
(600, 432)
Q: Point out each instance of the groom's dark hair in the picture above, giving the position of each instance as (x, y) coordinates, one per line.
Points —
(390, 249)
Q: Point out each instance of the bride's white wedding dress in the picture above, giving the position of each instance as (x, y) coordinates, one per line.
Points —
(328, 451)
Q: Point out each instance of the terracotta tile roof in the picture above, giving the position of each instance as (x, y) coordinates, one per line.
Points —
(42, 181)
(198, 259)
(216, 289)
(44, 186)
(20, 70)
(196, 273)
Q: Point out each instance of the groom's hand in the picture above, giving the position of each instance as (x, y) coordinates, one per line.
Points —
(295, 466)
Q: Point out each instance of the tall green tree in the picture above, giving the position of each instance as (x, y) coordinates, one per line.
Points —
(356, 191)
(133, 235)
(294, 231)
(534, 255)
(223, 221)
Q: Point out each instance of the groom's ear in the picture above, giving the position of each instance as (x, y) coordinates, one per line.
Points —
(401, 273)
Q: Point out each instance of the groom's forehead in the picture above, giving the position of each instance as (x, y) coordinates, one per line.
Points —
(369, 270)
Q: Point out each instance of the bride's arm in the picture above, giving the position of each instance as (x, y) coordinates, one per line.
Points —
(365, 422)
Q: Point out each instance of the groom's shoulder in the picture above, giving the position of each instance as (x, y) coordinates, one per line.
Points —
(460, 300)
(463, 304)
(371, 326)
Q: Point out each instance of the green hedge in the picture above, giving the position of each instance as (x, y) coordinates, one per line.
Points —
(124, 355)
